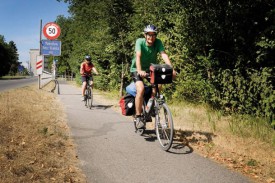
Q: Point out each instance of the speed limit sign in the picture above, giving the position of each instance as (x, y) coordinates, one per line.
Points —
(51, 30)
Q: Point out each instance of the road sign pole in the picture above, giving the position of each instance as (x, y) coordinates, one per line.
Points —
(40, 44)
(39, 83)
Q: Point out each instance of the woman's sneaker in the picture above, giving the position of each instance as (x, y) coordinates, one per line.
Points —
(83, 98)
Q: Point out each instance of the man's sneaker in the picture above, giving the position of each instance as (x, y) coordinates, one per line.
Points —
(139, 123)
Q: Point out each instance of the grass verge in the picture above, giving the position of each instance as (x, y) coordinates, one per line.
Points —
(34, 138)
(12, 77)
(241, 143)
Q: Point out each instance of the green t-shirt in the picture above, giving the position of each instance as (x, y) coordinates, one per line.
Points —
(148, 53)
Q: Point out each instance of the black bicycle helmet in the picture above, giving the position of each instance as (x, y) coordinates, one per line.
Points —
(88, 58)
(150, 28)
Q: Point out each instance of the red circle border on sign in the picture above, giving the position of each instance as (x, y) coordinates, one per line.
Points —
(45, 30)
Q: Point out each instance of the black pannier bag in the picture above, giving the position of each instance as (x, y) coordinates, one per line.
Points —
(161, 74)
(127, 105)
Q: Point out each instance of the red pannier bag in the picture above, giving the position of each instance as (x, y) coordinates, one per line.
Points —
(127, 105)
(161, 74)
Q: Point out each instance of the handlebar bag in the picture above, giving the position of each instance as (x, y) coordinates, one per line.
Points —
(127, 105)
(161, 74)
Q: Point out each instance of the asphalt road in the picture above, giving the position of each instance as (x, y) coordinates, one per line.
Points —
(8, 84)
(111, 152)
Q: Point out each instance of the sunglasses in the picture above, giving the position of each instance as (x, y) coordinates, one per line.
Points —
(151, 35)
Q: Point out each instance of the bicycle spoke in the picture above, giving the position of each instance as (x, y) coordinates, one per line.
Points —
(165, 133)
(165, 136)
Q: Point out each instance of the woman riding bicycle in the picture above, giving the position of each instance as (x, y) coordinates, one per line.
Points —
(146, 50)
(86, 69)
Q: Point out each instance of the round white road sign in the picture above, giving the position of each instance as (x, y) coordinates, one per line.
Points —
(51, 31)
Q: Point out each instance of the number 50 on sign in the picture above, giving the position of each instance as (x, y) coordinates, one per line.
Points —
(51, 31)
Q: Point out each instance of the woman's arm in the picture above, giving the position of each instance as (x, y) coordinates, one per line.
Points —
(81, 69)
(95, 71)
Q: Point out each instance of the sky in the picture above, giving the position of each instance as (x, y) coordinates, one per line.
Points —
(20, 22)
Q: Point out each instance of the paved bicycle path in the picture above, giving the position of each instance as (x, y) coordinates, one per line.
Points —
(111, 152)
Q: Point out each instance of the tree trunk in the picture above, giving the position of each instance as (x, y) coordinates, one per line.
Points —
(121, 81)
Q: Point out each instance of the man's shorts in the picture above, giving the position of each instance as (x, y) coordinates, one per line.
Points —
(86, 78)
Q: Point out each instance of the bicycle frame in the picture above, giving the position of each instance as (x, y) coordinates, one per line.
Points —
(163, 121)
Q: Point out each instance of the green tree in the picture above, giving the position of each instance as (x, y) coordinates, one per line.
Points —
(223, 50)
(8, 57)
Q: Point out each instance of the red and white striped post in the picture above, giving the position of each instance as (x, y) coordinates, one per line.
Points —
(39, 68)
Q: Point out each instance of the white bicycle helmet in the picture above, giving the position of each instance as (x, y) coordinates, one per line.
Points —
(150, 28)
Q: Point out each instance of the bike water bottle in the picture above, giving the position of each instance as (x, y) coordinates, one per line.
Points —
(149, 104)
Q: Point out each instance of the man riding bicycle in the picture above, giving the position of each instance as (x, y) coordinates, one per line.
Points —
(86, 69)
(146, 50)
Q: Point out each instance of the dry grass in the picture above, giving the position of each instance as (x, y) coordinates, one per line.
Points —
(34, 138)
(208, 132)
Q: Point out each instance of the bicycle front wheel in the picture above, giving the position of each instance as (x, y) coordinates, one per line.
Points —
(164, 126)
(89, 99)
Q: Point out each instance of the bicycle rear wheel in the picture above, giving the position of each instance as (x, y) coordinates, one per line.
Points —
(164, 126)
(89, 99)
(86, 97)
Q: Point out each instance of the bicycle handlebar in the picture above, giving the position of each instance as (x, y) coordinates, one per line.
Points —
(146, 76)
(91, 74)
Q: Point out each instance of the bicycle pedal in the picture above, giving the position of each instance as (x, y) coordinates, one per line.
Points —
(140, 130)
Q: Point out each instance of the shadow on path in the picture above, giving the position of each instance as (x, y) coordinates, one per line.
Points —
(104, 107)
(182, 140)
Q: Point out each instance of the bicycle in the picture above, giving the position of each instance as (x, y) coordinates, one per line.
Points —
(164, 126)
(88, 97)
